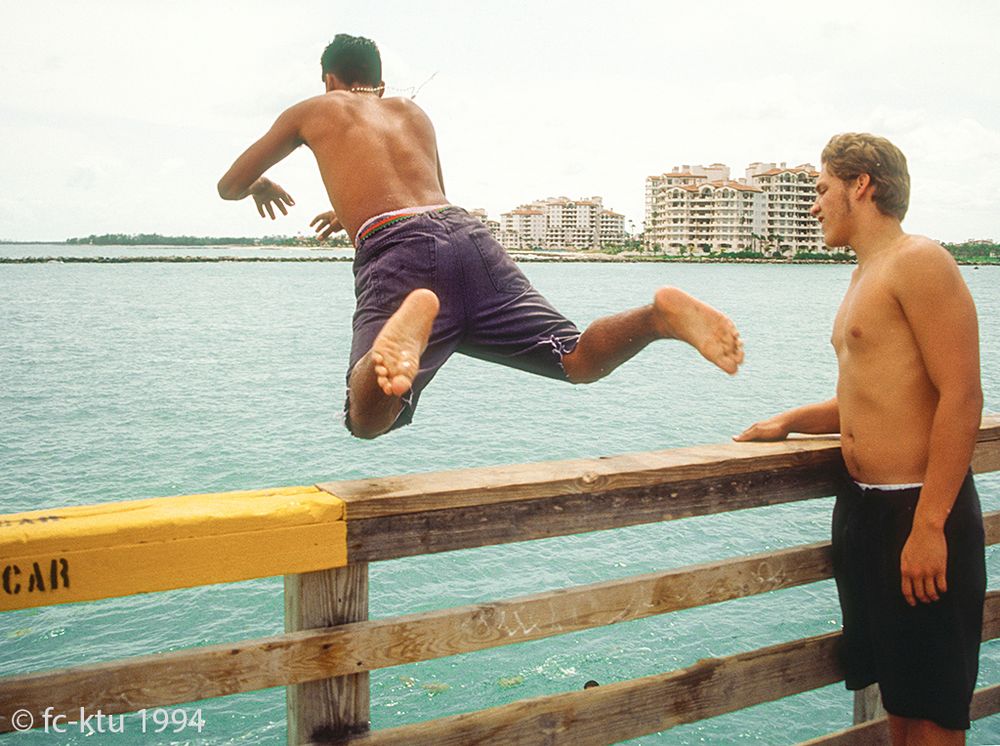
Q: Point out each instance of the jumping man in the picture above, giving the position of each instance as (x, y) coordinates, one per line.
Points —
(429, 278)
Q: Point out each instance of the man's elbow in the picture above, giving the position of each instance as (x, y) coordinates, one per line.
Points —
(965, 405)
(227, 190)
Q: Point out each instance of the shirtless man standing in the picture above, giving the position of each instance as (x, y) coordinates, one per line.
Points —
(429, 279)
(907, 528)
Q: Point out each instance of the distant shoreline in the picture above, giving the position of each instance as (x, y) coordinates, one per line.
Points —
(132, 255)
(526, 258)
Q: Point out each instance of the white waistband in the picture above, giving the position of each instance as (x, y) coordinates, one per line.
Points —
(394, 213)
(889, 487)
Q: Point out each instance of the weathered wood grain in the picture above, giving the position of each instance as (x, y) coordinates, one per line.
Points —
(340, 651)
(423, 492)
(295, 657)
(615, 712)
(463, 527)
(337, 706)
(427, 513)
(868, 704)
(438, 512)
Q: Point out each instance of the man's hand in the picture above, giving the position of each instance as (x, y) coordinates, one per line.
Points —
(268, 195)
(923, 564)
(326, 224)
(773, 428)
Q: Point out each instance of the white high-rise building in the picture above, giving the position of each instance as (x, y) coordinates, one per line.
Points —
(612, 230)
(790, 195)
(562, 223)
(699, 209)
(522, 228)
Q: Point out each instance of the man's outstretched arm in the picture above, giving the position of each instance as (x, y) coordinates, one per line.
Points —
(815, 419)
(245, 177)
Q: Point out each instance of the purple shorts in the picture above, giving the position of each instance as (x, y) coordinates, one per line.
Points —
(489, 309)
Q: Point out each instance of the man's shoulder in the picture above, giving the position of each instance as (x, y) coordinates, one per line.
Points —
(921, 263)
(404, 105)
(920, 253)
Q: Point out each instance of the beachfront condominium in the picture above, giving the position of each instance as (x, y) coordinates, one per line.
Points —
(562, 223)
(700, 210)
(790, 195)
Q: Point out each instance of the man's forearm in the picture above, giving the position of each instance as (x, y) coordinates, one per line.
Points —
(820, 418)
(228, 191)
(815, 419)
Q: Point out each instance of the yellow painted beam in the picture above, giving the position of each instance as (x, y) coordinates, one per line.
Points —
(117, 549)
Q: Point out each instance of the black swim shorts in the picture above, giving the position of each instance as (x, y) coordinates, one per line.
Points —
(924, 658)
(489, 309)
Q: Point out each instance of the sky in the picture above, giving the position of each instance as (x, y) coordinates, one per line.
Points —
(120, 117)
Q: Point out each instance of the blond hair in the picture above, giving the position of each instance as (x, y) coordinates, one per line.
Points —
(851, 154)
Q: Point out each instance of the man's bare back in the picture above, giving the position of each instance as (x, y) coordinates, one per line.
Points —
(375, 155)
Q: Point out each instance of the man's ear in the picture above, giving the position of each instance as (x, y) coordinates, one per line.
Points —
(862, 184)
(381, 88)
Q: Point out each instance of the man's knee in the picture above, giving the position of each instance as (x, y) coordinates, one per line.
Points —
(927, 731)
(579, 371)
(369, 422)
(364, 430)
(583, 377)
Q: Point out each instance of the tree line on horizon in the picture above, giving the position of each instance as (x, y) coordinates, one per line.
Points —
(982, 251)
(150, 239)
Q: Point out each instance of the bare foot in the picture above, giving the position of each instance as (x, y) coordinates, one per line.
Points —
(397, 349)
(684, 317)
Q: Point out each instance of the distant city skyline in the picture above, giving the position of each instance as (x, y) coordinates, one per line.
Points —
(120, 117)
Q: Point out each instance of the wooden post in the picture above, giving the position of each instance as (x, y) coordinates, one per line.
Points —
(329, 709)
(868, 704)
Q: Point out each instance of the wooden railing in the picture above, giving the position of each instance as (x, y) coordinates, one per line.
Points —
(322, 538)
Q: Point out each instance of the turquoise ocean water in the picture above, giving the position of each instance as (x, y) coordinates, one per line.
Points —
(137, 380)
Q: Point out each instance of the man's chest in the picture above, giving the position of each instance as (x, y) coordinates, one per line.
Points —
(869, 319)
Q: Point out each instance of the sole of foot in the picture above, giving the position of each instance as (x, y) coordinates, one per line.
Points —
(684, 317)
(397, 348)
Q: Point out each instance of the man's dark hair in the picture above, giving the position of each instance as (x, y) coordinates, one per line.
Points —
(353, 59)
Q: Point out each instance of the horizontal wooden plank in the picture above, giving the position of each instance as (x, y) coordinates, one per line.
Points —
(423, 492)
(985, 702)
(611, 713)
(116, 549)
(297, 657)
(464, 527)
(416, 493)
(427, 513)
(987, 454)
